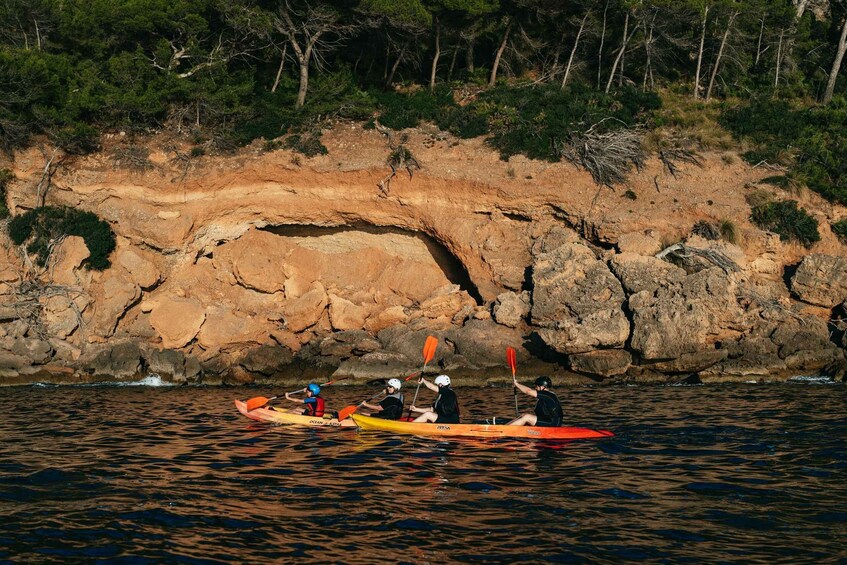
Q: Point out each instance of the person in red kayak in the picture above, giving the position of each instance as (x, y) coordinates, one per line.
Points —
(313, 401)
(390, 407)
(548, 409)
(445, 409)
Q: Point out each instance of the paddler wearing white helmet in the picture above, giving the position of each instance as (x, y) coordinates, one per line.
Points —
(390, 407)
(445, 408)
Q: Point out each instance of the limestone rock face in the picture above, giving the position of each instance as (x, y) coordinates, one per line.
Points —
(305, 311)
(603, 362)
(821, 280)
(177, 320)
(511, 309)
(576, 301)
(112, 296)
(686, 317)
(72, 253)
(140, 265)
(639, 272)
(345, 315)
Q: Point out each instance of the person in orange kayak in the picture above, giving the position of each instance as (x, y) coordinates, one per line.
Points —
(313, 401)
(390, 407)
(548, 409)
(445, 409)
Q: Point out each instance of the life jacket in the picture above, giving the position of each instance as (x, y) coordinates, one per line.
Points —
(548, 408)
(315, 408)
(392, 407)
(446, 405)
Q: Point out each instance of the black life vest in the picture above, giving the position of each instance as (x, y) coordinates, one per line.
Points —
(548, 408)
(446, 406)
(392, 407)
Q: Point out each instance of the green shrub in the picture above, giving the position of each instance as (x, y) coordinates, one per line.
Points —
(41, 227)
(787, 220)
(839, 228)
(6, 176)
(308, 143)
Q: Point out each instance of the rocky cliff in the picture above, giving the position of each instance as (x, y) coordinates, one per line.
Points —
(272, 266)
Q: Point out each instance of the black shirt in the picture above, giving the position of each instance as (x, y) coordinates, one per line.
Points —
(548, 408)
(446, 406)
(392, 407)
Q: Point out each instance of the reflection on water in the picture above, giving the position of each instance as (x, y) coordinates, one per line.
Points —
(745, 473)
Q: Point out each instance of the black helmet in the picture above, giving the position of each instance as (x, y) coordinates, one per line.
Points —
(543, 381)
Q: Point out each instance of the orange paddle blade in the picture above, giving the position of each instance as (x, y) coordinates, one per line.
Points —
(345, 412)
(429, 348)
(257, 402)
(512, 358)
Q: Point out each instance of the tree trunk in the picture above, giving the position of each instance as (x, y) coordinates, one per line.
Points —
(436, 56)
(836, 64)
(759, 44)
(720, 54)
(499, 55)
(778, 59)
(623, 49)
(304, 79)
(453, 63)
(279, 70)
(648, 41)
(625, 42)
(700, 53)
(396, 64)
(573, 50)
(469, 55)
(602, 40)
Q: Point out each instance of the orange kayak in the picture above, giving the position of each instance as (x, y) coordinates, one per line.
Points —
(476, 430)
(280, 417)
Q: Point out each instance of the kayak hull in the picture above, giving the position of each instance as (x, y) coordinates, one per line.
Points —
(477, 430)
(287, 418)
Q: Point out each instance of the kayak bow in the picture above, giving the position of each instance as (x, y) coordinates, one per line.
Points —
(279, 417)
(477, 430)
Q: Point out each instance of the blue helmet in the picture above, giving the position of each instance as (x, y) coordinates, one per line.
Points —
(314, 389)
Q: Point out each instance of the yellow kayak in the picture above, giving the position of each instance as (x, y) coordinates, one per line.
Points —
(279, 417)
(477, 430)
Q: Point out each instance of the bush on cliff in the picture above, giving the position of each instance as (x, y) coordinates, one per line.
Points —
(41, 228)
(5, 177)
(839, 228)
(788, 221)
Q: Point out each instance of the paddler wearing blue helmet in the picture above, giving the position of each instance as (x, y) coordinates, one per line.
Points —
(313, 401)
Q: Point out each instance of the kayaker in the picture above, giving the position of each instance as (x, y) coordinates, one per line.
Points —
(313, 401)
(390, 407)
(548, 409)
(445, 409)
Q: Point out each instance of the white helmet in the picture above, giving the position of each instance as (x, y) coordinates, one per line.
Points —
(394, 383)
(442, 380)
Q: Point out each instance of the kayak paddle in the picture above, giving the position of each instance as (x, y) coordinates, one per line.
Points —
(260, 401)
(512, 358)
(428, 353)
(348, 410)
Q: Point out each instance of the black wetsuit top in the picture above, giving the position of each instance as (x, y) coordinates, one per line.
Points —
(548, 409)
(392, 407)
(446, 406)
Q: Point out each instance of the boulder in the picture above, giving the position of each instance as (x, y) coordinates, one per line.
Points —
(639, 243)
(166, 363)
(577, 301)
(821, 280)
(140, 265)
(688, 317)
(391, 316)
(225, 328)
(267, 360)
(177, 320)
(305, 311)
(344, 315)
(639, 272)
(511, 309)
(602, 362)
(111, 297)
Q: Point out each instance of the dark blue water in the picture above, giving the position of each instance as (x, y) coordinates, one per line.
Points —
(727, 474)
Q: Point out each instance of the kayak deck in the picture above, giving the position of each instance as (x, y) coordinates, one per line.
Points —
(287, 418)
(477, 430)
